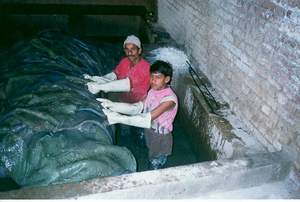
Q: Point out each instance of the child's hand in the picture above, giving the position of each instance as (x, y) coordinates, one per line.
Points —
(105, 103)
(121, 107)
(103, 100)
(112, 117)
(140, 120)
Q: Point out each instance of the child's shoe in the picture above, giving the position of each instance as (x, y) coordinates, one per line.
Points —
(158, 162)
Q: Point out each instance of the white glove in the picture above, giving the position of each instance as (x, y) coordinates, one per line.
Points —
(141, 120)
(121, 107)
(122, 85)
(101, 79)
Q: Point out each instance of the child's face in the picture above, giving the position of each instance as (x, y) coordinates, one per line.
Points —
(158, 81)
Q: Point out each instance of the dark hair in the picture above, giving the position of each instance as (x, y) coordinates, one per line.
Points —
(162, 67)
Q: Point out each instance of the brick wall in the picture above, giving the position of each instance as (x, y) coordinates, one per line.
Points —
(250, 51)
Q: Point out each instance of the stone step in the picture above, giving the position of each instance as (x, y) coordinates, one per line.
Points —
(202, 179)
(183, 182)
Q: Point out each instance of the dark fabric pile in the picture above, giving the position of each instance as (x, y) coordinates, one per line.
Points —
(52, 130)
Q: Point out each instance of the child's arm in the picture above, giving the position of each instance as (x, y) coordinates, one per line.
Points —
(140, 120)
(121, 107)
(161, 108)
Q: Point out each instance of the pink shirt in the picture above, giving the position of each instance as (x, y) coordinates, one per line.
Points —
(139, 76)
(164, 123)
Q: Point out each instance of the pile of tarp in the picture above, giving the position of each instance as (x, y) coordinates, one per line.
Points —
(52, 130)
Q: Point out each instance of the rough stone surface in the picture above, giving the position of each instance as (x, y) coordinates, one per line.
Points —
(200, 180)
(250, 51)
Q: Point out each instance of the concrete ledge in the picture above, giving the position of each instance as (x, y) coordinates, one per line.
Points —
(191, 181)
(213, 131)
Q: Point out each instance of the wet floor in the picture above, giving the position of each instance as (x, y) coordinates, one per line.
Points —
(182, 153)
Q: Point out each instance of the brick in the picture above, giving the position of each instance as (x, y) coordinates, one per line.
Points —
(281, 98)
(266, 109)
(298, 140)
(250, 51)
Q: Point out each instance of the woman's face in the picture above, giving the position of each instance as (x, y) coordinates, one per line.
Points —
(158, 81)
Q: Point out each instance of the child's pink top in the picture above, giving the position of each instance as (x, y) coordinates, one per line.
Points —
(164, 123)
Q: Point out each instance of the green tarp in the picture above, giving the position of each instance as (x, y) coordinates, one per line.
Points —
(52, 130)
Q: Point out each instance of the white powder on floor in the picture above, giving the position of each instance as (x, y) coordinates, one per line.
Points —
(177, 58)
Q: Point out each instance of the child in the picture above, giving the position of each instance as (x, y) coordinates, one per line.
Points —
(159, 111)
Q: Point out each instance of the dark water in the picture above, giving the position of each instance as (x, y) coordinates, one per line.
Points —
(182, 153)
(7, 184)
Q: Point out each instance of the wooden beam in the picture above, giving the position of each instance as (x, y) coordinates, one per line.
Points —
(71, 9)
